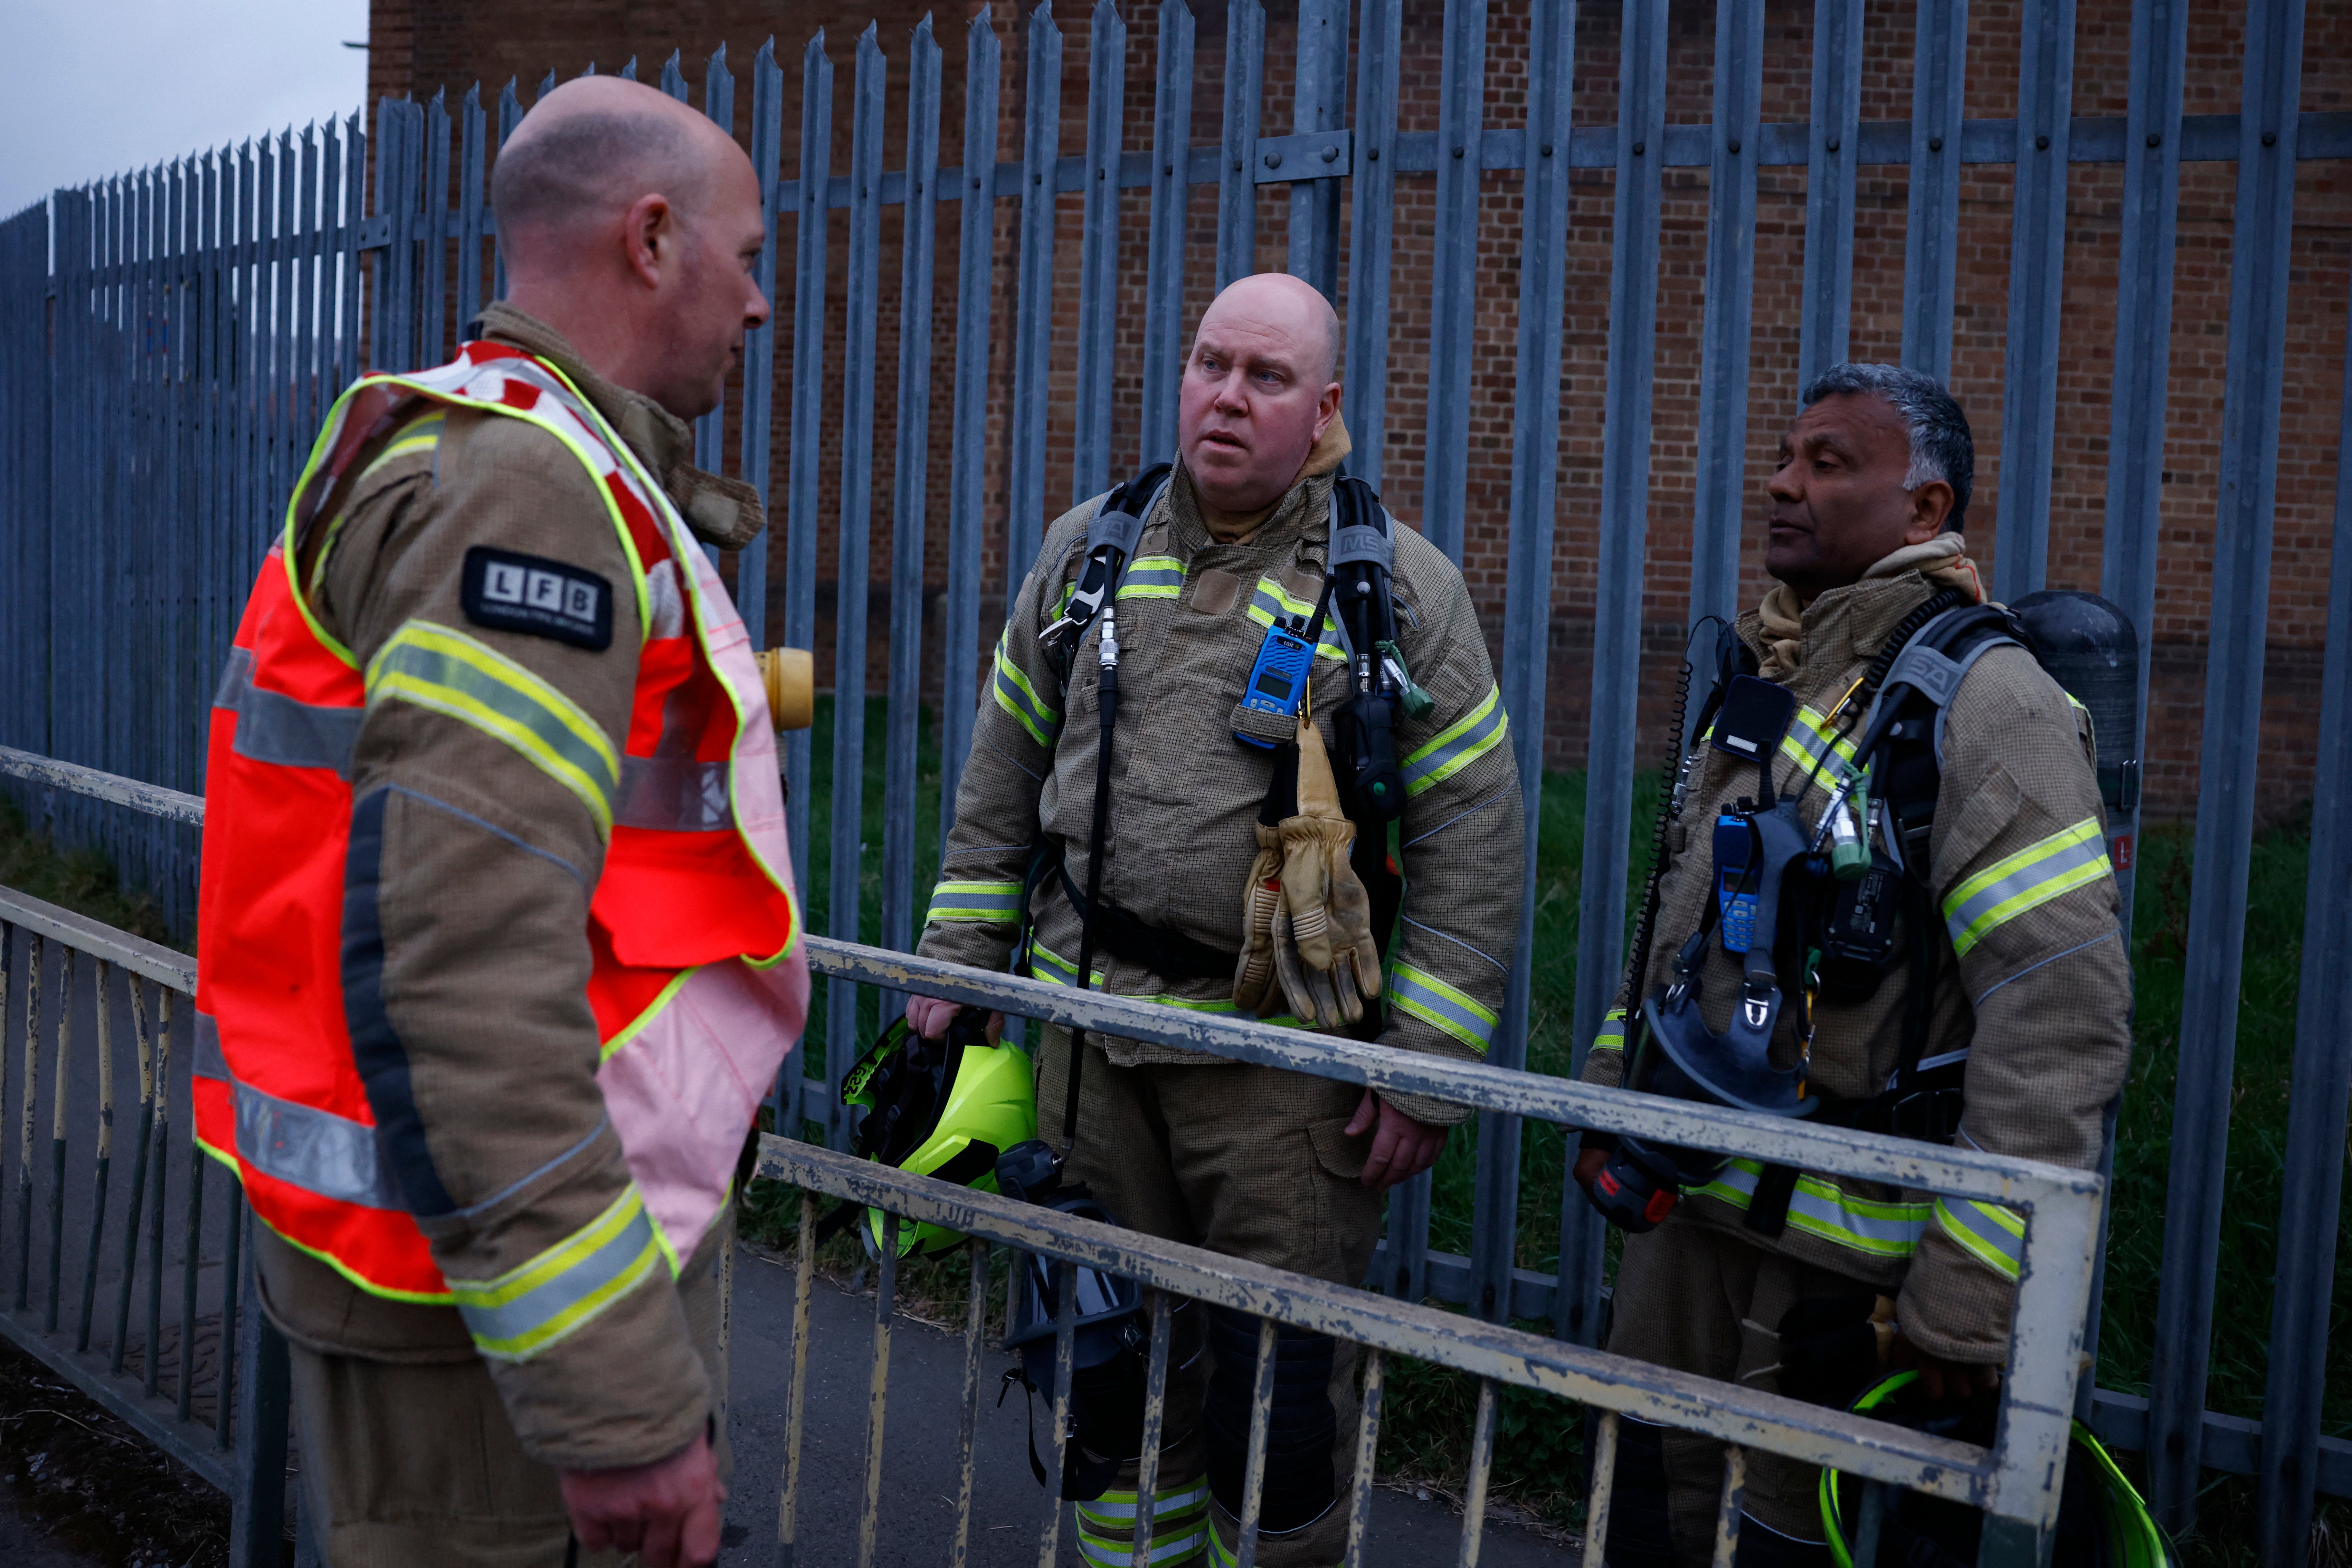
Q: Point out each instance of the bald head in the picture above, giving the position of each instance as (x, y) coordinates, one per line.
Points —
(590, 149)
(1291, 308)
(1260, 388)
(633, 225)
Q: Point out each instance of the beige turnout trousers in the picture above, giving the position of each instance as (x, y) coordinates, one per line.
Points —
(1247, 1161)
(408, 1463)
(1702, 1300)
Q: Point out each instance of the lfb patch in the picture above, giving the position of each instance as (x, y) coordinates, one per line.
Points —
(530, 594)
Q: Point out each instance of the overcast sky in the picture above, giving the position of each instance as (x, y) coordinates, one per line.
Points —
(98, 86)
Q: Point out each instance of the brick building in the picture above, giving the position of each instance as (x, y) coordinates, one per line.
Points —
(418, 46)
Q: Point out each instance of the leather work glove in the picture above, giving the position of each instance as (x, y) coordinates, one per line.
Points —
(1306, 917)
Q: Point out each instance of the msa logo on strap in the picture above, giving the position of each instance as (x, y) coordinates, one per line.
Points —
(532, 595)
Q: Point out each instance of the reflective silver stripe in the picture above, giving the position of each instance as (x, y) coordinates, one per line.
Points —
(2049, 869)
(300, 1145)
(1441, 1006)
(676, 794)
(1819, 1208)
(272, 727)
(1978, 1228)
(209, 1062)
(314, 1150)
(521, 1313)
(1467, 739)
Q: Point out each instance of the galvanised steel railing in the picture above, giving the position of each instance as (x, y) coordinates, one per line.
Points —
(2016, 1481)
(169, 340)
(138, 1291)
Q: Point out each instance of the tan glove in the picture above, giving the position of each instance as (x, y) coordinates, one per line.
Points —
(1306, 919)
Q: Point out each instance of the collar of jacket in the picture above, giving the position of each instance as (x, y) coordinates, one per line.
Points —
(721, 512)
(1846, 623)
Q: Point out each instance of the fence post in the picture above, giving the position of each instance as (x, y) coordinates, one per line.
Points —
(2315, 1114)
(908, 514)
(257, 1510)
(1379, 42)
(1099, 313)
(1454, 275)
(1032, 312)
(2227, 771)
(2037, 259)
(1931, 238)
(1528, 600)
(960, 618)
(853, 572)
(1237, 164)
(802, 478)
(1318, 102)
(1830, 152)
(1611, 756)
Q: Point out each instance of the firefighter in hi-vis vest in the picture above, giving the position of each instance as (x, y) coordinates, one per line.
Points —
(500, 944)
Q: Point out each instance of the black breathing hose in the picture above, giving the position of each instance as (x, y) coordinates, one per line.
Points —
(1106, 694)
(1669, 809)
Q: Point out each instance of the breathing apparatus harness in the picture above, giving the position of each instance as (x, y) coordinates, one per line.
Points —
(1840, 908)
(1111, 1342)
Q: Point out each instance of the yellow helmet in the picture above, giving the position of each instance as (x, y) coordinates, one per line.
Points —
(943, 1108)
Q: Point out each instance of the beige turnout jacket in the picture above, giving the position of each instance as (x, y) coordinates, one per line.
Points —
(1191, 614)
(487, 866)
(2032, 980)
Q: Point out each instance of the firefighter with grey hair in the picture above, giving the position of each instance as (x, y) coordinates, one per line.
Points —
(1230, 879)
(1963, 979)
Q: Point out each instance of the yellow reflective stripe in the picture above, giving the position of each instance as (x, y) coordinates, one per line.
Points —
(1051, 966)
(1152, 577)
(422, 436)
(1823, 1209)
(1807, 739)
(1459, 744)
(2072, 857)
(521, 1312)
(1441, 1006)
(1990, 1233)
(1611, 1036)
(975, 902)
(452, 673)
(326, 551)
(1272, 603)
(1018, 697)
(1118, 1551)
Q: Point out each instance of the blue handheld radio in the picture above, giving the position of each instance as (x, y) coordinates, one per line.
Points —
(1735, 889)
(1278, 679)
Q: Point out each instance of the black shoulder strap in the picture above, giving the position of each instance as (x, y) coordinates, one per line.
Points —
(1111, 534)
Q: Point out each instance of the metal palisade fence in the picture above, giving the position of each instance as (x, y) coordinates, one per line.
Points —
(169, 340)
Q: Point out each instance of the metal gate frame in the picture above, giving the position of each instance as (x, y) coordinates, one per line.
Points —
(166, 374)
(2017, 1481)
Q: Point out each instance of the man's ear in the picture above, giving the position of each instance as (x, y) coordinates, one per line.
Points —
(1931, 508)
(1327, 409)
(649, 237)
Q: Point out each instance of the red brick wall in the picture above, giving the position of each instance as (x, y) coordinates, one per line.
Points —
(421, 45)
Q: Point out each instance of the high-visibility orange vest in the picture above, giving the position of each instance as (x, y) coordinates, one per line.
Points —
(699, 985)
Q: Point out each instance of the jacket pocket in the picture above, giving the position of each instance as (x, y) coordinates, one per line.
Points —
(1336, 1152)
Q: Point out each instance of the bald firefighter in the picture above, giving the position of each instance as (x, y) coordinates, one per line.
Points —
(1265, 617)
(500, 940)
